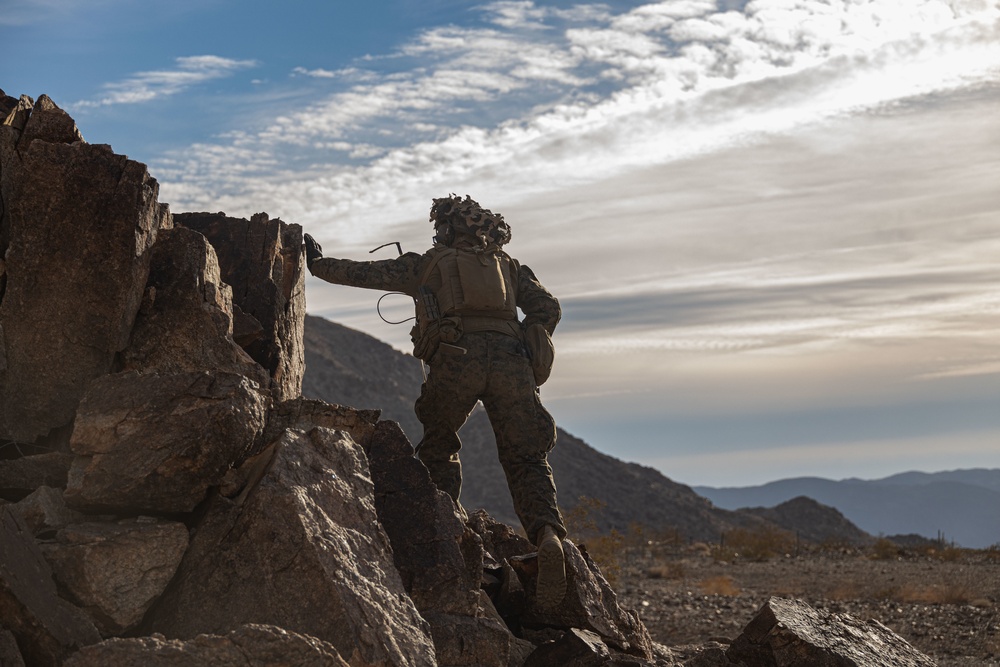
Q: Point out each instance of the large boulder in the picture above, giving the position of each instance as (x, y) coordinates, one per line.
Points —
(300, 548)
(185, 322)
(263, 261)
(247, 646)
(439, 558)
(47, 628)
(75, 233)
(790, 633)
(156, 443)
(115, 571)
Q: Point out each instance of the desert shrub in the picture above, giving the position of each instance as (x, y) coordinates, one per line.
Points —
(670, 570)
(604, 549)
(720, 585)
(884, 549)
(759, 545)
(949, 593)
(723, 553)
(948, 554)
(845, 590)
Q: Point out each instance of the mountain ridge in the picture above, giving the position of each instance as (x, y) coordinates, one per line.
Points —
(960, 504)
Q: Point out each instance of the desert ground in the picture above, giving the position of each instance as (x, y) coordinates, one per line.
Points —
(942, 600)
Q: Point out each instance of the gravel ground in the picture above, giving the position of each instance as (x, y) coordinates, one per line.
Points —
(945, 608)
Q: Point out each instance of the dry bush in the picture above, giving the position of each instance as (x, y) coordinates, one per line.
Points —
(845, 590)
(723, 553)
(949, 593)
(947, 554)
(884, 549)
(759, 545)
(670, 570)
(720, 585)
(605, 550)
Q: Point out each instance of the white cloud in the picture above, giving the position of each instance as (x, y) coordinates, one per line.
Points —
(147, 86)
(315, 73)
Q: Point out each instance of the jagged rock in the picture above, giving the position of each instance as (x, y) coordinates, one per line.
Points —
(424, 527)
(10, 654)
(302, 549)
(18, 113)
(47, 627)
(590, 604)
(7, 104)
(790, 633)
(263, 261)
(185, 322)
(499, 539)
(470, 640)
(304, 414)
(45, 510)
(20, 477)
(49, 123)
(156, 443)
(115, 571)
(247, 646)
(576, 648)
(75, 233)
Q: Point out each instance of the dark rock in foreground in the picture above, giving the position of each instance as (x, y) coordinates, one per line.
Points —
(790, 632)
(247, 646)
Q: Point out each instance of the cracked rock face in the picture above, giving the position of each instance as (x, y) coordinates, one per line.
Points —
(156, 443)
(300, 548)
(115, 571)
(247, 646)
(76, 230)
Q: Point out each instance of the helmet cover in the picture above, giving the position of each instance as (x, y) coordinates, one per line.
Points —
(467, 217)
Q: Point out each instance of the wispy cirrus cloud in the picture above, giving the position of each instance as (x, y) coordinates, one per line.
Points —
(587, 91)
(156, 84)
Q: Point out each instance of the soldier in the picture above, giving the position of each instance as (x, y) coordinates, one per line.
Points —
(467, 291)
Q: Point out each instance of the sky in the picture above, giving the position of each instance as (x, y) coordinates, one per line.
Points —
(773, 225)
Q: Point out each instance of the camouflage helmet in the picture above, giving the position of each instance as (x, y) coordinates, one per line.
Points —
(467, 217)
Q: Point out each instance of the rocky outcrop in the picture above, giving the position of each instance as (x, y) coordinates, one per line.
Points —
(77, 227)
(265, 270)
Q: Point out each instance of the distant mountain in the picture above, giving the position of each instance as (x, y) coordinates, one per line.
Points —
(351, 368)
(812, 521)
(961, 504)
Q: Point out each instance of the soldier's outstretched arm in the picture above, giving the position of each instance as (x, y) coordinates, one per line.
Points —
(536, 302)
(393, 275)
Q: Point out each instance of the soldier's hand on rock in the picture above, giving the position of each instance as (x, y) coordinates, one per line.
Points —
(313, 251)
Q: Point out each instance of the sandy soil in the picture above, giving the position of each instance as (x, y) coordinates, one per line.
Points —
(945, 604)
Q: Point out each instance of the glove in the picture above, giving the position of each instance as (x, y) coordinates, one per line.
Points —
(313, 251)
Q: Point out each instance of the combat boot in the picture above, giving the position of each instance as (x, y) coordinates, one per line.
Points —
(550, 587)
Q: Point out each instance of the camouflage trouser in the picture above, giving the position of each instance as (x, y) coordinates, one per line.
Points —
(496, 371)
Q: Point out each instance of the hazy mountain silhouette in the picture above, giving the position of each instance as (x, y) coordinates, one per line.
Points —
(961, 504)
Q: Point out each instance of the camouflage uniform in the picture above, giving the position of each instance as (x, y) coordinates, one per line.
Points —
(488, 366)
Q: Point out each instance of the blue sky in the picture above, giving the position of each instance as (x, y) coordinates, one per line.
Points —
(773, 225)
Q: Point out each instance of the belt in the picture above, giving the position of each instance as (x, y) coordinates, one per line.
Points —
(477, 324)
